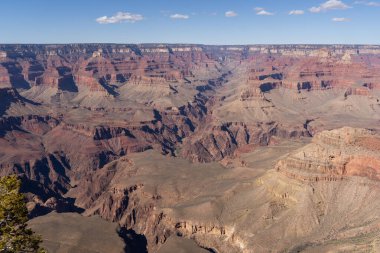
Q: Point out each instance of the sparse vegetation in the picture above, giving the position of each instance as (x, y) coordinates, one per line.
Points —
(15, 236)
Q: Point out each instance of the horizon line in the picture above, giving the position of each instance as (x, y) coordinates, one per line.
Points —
(192, 44)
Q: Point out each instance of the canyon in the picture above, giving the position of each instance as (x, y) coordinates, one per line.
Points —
(252, 148)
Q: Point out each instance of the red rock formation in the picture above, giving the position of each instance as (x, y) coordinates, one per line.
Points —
(334, 155)
(98, 103)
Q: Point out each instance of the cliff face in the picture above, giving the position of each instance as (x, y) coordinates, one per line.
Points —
(70, 114)
(335, 155)
(99, 66)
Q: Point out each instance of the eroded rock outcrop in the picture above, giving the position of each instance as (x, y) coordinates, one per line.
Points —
(305, 202)
(334, 155)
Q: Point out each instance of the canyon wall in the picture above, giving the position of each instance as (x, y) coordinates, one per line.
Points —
(76, 120)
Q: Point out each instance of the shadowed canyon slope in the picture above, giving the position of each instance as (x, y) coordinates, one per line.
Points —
(238, 148)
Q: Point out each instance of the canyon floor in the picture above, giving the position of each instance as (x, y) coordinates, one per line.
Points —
(194, 148)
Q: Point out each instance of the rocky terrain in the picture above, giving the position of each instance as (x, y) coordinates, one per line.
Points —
(70, 232)
(260, 148)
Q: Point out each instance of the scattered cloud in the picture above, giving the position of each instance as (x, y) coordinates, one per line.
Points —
(330, 5)
(341, 19)
(373, 4)
(296, 12)
(262, 12)
(179, 16)
(230, 14)
(120, 17)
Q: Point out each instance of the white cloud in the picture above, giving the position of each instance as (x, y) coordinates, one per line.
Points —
(119, 18)
(296, 12)
(262, 12)
(341, 19)
(179, 16)
(230, 14)
(373, 4)
(330, 5)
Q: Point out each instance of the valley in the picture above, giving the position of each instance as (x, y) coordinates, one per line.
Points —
(256, 148)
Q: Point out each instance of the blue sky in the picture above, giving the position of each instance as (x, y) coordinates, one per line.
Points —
(190, 21)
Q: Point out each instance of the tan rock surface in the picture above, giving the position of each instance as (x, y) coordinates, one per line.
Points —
(73, 233)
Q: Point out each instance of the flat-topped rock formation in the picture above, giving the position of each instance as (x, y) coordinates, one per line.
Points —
(66, 232)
